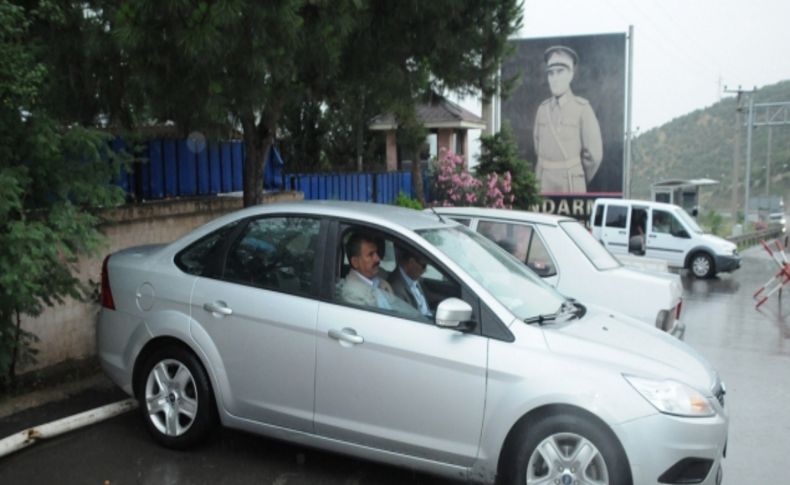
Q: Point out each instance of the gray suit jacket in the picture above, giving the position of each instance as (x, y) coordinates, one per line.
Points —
(357, 291)
(401, 288)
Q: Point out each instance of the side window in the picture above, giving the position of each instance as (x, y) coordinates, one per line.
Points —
(462, 220)
(616, 216)
(665, 222)
(384, 274)
(539, 260)
(276, 253)
(598, 216)
(514, 238)
(199, 256)
(662, 222)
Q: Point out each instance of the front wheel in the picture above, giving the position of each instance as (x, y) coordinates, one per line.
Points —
(702, 265)
(567, 449)
(175, 398)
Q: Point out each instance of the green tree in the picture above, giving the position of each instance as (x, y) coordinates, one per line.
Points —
(234, 64)
(499, 154)
(52, 178)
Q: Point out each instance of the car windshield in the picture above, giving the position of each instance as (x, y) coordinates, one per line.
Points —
(690, 222)
(523, 292)
(598, 255)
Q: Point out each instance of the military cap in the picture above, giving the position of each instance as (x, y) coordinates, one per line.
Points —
(560, 55)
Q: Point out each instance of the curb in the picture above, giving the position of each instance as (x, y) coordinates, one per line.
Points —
(30, 436)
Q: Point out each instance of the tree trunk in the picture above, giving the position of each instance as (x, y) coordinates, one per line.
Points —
(253, 161)
(416, 177)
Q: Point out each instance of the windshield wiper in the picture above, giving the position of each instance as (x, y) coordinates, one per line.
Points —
(541, 319)
(569, 308)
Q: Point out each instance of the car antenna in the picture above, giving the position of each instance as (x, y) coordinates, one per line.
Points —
(441, 219)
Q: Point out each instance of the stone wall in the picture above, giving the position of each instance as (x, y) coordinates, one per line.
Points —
(68, 331)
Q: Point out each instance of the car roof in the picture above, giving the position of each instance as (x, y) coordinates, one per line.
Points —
(381, 214)
(643, 203)
(510, 214)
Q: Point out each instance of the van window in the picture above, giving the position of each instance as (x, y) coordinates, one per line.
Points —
(666, 223)
(598, 216)
(616, 216)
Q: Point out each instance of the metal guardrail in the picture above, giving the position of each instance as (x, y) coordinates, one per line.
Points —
(753, 238)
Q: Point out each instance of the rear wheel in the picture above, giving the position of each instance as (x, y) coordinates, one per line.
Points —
(175, 397)
(702, 265)
(566, 449)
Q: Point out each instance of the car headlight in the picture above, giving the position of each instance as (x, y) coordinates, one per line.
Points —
(672, 397)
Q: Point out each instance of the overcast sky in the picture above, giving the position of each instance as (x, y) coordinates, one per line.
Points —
(685, 51)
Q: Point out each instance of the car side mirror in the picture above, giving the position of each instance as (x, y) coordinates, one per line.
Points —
(681, 233)
(453, 313)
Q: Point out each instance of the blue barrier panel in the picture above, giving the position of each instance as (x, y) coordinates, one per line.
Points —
(368, 187)
(122, 180)
(215, 167)
(187, 169)
(407, 186)
(203, 174)
(304, 186)
(314, 187)
(171, 167)
(156, 171)
(342, 187)
(227, 167)
(238, 166)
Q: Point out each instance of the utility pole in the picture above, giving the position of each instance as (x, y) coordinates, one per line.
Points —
(768, 166)
(736, 163)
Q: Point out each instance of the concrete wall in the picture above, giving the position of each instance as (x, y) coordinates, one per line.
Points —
(68, 331)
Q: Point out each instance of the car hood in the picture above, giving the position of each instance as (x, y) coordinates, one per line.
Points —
(631, 347)
(721, 244)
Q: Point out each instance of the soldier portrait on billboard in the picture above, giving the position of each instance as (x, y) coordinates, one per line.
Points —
(567, 113)
(566, 133)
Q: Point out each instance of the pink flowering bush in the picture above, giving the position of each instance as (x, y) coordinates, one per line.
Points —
(455, 186)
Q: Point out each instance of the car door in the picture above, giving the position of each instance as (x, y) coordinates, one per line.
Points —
(614, 233)
(258, 313)
(397, 382)
(667, 238)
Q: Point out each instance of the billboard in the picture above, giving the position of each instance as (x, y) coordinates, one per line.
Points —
(567, 114)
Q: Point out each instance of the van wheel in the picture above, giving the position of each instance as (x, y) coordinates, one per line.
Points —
(566, 448)
(702, 265)
(175, 398)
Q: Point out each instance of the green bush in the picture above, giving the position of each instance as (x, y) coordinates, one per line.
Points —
(403, 200)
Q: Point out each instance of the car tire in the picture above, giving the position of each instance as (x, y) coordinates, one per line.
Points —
(701, 265)
(175, 398)
(550, 450)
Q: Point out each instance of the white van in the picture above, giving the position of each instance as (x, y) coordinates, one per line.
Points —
(661, 231)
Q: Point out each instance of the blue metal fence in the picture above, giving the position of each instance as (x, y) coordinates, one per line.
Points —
(180, 168)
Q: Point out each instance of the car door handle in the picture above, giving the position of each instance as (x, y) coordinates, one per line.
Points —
(652, 235)
(621, 232)
(218, 308)
(346, 335)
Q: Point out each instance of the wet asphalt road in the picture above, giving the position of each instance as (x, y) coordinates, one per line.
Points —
(750, 348)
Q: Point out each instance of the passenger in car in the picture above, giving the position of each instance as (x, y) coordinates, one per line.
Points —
(362, 286)
(405, 280)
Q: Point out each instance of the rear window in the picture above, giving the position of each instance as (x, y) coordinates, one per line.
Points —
(616, 216)
(598, 255)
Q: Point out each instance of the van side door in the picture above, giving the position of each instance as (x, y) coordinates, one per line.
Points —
(667, 238)
(614, 233)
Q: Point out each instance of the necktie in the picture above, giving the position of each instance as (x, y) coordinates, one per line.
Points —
(416, 290)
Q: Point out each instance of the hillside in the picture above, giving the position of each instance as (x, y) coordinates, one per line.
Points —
(702, 144)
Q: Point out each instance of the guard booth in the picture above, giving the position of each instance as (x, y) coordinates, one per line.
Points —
(684, 193)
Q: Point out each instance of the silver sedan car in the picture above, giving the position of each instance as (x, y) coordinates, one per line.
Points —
(403, 337)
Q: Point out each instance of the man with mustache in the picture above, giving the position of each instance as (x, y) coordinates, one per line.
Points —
(362, 286)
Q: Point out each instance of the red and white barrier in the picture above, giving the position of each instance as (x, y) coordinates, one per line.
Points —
(777, 281)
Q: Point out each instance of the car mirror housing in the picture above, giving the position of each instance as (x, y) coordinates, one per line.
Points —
(452, 313)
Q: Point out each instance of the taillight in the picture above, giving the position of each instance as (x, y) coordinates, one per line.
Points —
(106, 292)
(677, 309)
